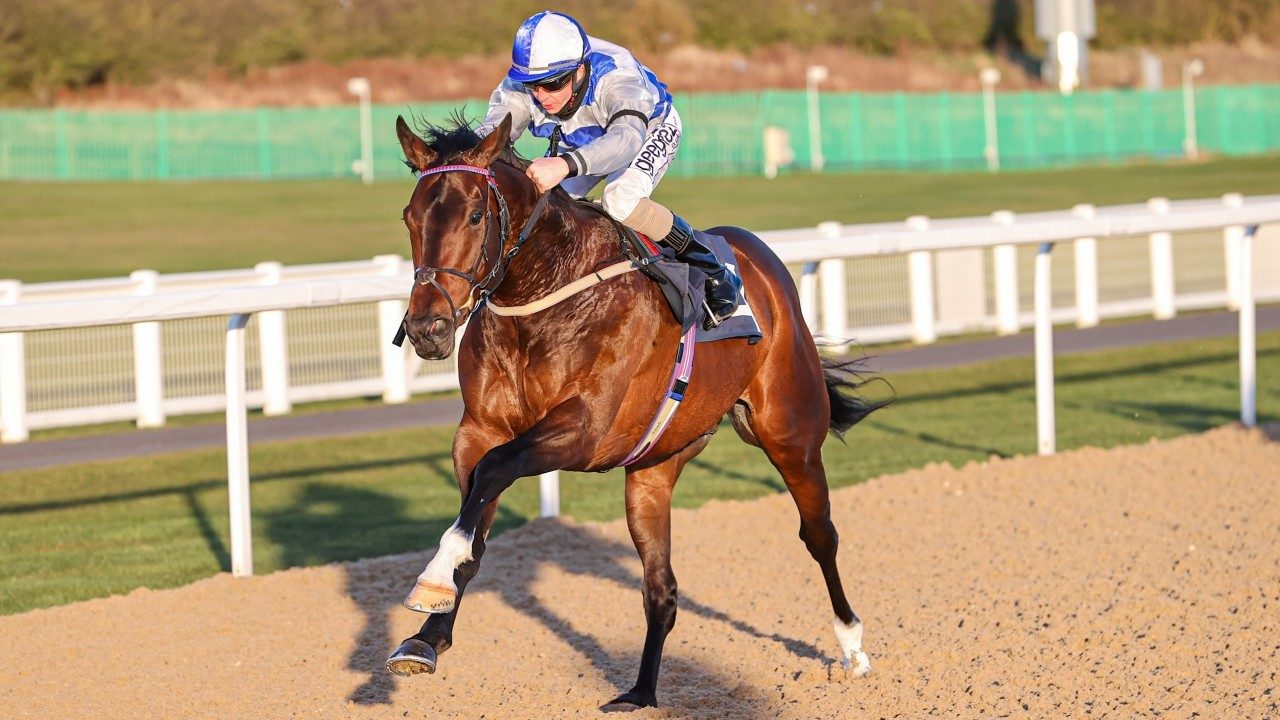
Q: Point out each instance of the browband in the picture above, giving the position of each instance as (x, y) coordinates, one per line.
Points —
(463, 168)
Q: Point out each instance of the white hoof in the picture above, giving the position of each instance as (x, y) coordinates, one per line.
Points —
(856, 666)
(853, 660)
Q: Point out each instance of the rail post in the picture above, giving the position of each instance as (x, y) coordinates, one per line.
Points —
(924, 329)
(395, 376)
(1161, 252)
(1046, 424)
(1005, 261)
(809, 295)
(238, 450)
(549, 494)
(1232, 237)
(1086, 255)
(13, 373)
(148, 359)
(835, 301)
(1248, 333)
(273, 348)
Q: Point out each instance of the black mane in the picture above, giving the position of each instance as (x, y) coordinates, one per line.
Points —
(456, 136)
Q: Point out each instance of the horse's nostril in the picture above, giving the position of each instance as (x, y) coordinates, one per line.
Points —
(438, 327)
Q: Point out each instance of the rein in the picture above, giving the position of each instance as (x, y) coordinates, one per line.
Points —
(427, 275)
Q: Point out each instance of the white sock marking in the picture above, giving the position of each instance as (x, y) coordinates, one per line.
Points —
(455, 549)
(850, 637)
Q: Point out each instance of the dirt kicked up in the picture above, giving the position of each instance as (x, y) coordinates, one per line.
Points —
(1137, 582)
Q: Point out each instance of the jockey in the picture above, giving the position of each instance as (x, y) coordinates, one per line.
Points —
(616, 123)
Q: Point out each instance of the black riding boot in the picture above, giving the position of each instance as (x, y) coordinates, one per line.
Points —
(722, 286)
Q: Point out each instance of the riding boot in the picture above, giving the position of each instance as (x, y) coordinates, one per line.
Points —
(722, 286)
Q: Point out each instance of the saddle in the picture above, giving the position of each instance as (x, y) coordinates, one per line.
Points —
(682, 284)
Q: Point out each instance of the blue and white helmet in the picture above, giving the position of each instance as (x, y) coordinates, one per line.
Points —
(547, 45)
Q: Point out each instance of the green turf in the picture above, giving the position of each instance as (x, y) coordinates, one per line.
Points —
(62, 231)
(95, 529)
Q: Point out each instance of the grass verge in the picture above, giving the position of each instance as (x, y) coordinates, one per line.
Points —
(92, 530)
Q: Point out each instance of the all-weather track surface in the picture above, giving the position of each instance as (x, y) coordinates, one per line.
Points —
(1136, 582)
(45, 453)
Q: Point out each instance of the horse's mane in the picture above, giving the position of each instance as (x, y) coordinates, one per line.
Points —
(457, 136)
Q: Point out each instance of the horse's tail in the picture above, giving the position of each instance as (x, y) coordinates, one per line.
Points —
(844, 379)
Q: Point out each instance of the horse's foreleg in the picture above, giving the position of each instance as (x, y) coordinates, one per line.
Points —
(552, 443)
(420, 652)
(649, 520)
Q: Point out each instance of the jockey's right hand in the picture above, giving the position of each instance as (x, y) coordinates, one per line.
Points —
(547, 172)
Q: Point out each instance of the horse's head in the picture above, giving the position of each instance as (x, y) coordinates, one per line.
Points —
(458, 225)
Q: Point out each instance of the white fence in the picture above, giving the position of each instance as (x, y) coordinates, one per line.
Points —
(873, 283)
(941, 288)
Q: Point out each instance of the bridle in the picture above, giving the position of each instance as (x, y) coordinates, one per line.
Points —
(480, 290)
(477, 290)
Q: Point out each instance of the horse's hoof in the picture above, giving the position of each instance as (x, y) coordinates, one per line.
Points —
(431, 598)
(411, 658)
(857, 666)
(629, 701)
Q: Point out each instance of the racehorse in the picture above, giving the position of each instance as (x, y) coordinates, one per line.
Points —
(575, 386)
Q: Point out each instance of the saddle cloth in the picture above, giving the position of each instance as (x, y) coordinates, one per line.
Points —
(684, 288)
(742, 323)
(684, 285)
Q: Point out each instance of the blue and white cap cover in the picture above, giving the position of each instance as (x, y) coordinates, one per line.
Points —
(546, 45)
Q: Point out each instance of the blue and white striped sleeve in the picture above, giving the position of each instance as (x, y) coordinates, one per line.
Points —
(628, 105)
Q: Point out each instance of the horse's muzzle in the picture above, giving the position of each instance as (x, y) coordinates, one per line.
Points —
(432, 338)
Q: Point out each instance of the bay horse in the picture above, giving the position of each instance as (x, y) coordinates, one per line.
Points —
(574, 386)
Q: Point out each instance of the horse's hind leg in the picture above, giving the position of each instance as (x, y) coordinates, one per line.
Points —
(649, 520)
(779, 414)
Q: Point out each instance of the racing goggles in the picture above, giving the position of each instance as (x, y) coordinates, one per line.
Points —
(552, 84)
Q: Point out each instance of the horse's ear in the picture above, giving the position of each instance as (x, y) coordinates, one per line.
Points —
(416, 152)
(492, 146)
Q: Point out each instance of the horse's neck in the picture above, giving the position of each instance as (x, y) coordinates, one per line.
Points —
(564, 244)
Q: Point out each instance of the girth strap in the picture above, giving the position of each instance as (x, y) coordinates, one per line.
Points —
(675, 394)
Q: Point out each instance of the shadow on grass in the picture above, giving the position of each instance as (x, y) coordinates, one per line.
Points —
(1065, 379)
(936, 440)
(329, 523)
(439, 463)
(768, 479)
(1188, 418)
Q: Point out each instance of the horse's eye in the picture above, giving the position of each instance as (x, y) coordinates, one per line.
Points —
(476, 217)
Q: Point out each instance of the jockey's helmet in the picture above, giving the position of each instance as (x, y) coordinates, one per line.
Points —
(548, 46)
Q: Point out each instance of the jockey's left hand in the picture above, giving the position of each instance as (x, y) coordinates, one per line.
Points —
(547, 172)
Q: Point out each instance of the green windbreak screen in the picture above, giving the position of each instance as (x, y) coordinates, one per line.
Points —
(723, 134)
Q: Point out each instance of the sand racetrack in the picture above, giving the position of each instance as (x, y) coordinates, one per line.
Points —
(1142, 581)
